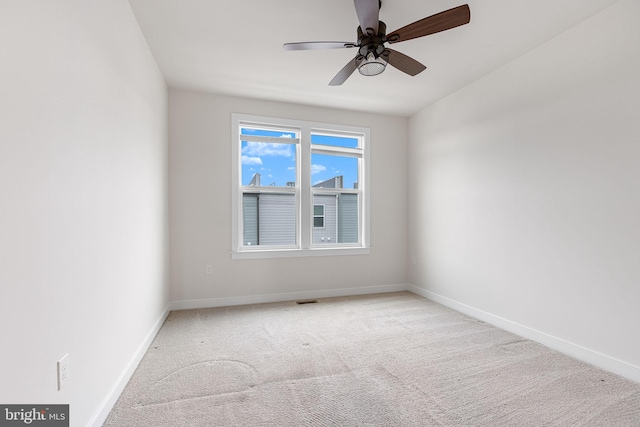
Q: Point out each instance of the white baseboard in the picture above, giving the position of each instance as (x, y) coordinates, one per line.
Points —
(584, 354)
(288, 296)
(112, 397)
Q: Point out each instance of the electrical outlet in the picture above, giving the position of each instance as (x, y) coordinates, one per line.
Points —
(208, 269)
(63, 371)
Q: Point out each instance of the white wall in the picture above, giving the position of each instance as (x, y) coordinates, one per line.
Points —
(83, 199)
(523, 188)
(200, 210)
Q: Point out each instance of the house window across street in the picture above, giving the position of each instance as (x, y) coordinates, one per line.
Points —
(318, 216)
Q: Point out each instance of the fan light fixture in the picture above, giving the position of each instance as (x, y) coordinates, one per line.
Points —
(372, 57)
(372, 66)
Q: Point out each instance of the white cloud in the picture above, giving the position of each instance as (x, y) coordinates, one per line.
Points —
(267, 149)
(317, 169)
(246, 160)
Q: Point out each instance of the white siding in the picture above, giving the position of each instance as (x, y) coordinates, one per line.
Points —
(348, 218)
(277, 219)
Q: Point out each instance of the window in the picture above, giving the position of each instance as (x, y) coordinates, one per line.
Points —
(300, 188)
(318, 216)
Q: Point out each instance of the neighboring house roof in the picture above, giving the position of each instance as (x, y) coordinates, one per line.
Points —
(335, 182)
(255, 181)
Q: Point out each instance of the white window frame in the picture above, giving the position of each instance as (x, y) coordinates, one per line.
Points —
(303, 189)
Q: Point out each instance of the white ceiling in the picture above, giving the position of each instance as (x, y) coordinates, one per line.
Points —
(235, 47)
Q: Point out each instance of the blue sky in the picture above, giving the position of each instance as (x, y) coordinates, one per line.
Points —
(276, 162)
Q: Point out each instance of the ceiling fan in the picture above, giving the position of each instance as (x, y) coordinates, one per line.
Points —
(373, 56)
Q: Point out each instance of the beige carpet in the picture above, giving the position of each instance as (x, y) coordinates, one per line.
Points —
(382, 360)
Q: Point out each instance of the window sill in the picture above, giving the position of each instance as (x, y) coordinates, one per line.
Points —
(298, 253)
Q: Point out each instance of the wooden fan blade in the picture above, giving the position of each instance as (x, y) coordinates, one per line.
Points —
(402, 62)
(368, 14)
(317, 45)
(346, 71)
(432, 24)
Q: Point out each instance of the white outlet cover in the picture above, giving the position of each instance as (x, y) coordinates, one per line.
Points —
(63, 371)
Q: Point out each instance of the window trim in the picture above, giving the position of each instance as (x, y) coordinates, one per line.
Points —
(303, 188)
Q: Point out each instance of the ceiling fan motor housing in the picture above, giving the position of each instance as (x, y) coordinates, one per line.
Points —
(372, 44)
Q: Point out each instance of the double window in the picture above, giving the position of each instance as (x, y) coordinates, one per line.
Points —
(300, 188)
